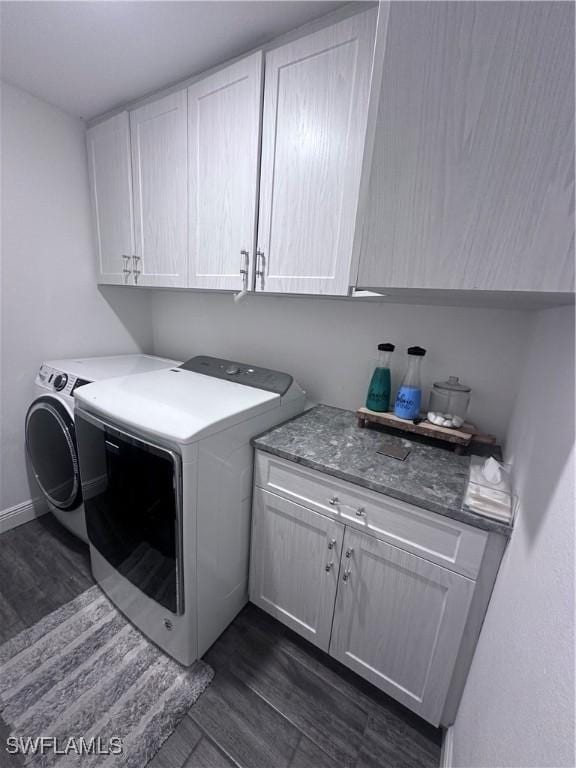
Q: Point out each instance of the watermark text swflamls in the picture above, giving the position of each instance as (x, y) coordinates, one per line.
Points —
(42, 745)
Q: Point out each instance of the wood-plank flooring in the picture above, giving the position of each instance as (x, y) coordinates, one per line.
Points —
(275, 702)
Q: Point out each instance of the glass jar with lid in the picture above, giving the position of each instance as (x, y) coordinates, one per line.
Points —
(450, 399)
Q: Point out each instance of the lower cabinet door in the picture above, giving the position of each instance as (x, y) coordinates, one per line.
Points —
(398, 622)
(294, 565)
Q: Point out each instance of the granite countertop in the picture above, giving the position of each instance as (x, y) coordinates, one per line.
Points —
(329, 440)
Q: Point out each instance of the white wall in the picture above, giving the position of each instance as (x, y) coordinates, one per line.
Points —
(50, 304)
(330, 345)
(518, 704)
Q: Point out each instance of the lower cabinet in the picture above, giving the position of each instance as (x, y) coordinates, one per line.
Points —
(393, 617)
(295, 562)
(398, 621)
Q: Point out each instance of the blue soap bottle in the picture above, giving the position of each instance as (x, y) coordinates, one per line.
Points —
(409, 397)
(378, 398)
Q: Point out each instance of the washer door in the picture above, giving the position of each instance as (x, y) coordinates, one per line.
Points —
(51, 444)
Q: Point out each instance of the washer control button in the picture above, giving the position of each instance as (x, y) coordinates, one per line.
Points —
(60, 381)
(232, 370)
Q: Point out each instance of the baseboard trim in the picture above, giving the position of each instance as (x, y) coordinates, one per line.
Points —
(446, 756)
(19, 514)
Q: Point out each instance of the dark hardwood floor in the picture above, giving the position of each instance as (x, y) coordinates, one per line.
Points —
(275, 702)
(42, 566)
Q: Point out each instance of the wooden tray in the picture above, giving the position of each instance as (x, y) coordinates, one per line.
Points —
(457, 437)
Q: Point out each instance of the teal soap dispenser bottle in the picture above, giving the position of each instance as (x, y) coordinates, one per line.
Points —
(379, 390)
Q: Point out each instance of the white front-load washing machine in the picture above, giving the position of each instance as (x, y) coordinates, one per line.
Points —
(166, 465)
(50, 428)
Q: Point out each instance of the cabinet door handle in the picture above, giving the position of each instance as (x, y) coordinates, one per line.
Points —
(126, 271)
(348, 569)
(244, 268)
(359, 511)
(331, 545)
(135, 260)
(260, 263)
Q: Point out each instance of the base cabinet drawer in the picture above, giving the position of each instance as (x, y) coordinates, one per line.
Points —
(398, 622)
(294, 565)
(446, 542)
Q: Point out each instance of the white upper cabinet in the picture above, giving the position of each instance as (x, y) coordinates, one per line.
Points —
(421, 145)
(224, 113)
(160, 181)
(315, 112)
(111, 191)
(472, 183)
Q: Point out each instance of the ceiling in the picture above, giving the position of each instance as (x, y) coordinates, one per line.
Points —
(90, 56)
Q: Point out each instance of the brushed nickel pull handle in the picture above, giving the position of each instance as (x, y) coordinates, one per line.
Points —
(359, 511)
(260, 264)
(244, 267)
(135, 270)
(331, 545)
(125, 270)
(348, 569)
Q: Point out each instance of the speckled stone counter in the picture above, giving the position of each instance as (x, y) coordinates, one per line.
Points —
(328, 439)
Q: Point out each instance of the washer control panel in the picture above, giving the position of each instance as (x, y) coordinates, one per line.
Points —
(240, 373)
(56, 380)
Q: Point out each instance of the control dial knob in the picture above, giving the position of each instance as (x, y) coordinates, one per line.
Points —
(60, 381)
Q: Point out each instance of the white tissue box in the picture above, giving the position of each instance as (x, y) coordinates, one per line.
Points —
(494, 500)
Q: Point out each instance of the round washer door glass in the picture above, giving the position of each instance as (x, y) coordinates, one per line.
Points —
(52, 450)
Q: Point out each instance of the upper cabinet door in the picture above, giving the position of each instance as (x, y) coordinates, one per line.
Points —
(111, 190)
(224, 141)
(472, 183)
(315, 109)
(160, 173)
